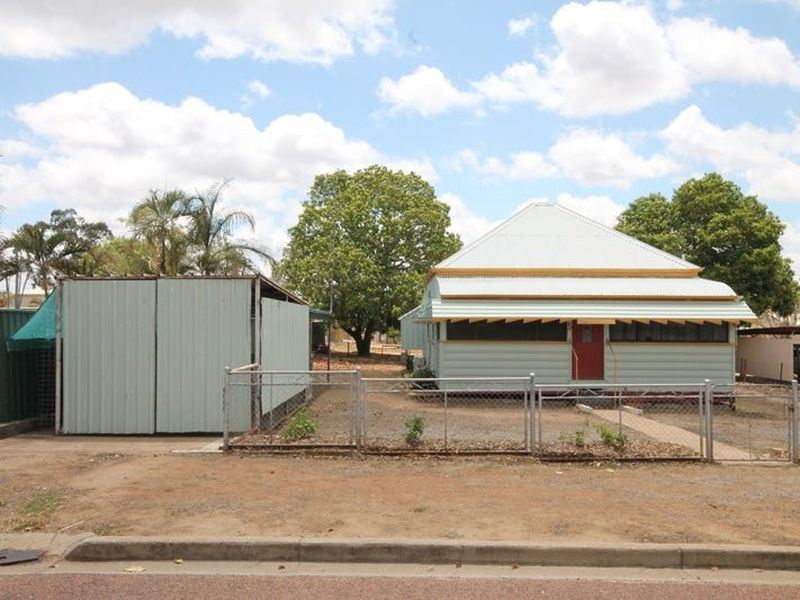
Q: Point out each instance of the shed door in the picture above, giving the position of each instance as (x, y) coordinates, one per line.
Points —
(587, 351)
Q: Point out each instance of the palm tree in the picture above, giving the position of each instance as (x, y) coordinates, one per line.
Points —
(210, 230)
(156, 220)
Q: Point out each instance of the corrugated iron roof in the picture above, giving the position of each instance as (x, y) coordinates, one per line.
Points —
(549, 236)
(667, 310)
(510, 287)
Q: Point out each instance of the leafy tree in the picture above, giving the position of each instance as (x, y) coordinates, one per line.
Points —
(210, 230)
(369, 239)
(156, 221)
(46, 250)
(119, 257)
(734, 237)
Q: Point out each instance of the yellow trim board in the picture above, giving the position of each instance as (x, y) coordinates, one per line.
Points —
(563, 272)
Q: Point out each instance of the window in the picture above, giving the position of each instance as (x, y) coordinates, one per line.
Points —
(654, 332)
(499, 331)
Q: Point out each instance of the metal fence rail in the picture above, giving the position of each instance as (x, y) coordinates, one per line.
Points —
(286, 409)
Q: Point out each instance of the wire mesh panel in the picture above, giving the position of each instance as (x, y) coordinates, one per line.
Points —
(285, 408)
(616, 421)
(449, 415)
(752, 422)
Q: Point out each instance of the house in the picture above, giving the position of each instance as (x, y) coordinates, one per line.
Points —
(551, 292)
(148, 355)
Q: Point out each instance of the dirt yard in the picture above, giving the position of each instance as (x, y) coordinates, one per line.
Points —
(139, 486)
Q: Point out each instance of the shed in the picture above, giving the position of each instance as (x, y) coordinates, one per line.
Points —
(147, 355)
(17, 371)
(552, 292)
(770, 353)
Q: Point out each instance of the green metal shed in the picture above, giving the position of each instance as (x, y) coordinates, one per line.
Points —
(17, 370)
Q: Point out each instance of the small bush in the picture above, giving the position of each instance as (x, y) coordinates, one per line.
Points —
(414, 427)
(613, 439)
(424, 373)
(301, 426)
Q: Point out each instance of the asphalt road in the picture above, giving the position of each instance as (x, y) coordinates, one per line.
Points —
(406, 582)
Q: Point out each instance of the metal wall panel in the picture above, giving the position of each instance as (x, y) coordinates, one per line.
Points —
(108, 362)
(285, 346)
(203, 326)
(17, 370)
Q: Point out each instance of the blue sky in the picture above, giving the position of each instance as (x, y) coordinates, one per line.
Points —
(587, 103)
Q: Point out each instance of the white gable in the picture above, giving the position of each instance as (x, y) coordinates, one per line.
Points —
(549, 236)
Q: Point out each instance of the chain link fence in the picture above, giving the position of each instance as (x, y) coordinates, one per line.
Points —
(293, 409)
(448, 415)
(290, 408)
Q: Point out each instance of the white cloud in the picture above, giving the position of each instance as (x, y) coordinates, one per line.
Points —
(588, 157)
(615, 58)
(674, 4)
(711, 52)
(463, 221)
(426, 91)
(256, 90)
(318, 31)
(769, 161)
(521, 165)
(519, 27)
(102, 148)
(592, 158)
(790, 242)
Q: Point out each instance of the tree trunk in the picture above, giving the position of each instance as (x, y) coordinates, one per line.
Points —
(363, 341)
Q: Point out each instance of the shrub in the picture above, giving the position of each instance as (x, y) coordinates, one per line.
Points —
(614, 439)
(414, 427)
(301, 426)
(424, 373)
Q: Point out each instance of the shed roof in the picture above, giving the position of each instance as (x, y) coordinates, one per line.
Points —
(548, 237)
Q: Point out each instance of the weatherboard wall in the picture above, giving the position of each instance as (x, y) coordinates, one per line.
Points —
(669, 363)
(550, 361)
(204, 325)
(109, 373)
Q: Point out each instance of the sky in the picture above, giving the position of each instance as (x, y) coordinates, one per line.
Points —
(589, 104)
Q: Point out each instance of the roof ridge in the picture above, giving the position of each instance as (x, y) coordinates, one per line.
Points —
(499, 227)
(628, 238)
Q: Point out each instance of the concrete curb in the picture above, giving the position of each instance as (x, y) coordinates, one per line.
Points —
(658, 556)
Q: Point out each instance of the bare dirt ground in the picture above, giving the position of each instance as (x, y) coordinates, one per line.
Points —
(138, 486)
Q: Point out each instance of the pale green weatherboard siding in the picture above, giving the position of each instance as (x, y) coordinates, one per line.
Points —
(108, 364)
(284, 347)
(669, 363)
(549, 361)
(203, 326)
(413, 336)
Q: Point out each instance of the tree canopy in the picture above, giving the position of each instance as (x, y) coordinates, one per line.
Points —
(734, 237)
(367, 240)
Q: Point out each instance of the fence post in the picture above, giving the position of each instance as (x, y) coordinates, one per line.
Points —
(531, 426)
(793, 450)
(709, 407)
(445, 417)
(361, 412)
(226, 409)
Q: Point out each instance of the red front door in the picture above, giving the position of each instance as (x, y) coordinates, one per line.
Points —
(587, 351)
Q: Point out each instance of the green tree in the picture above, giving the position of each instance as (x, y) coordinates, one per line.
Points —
(46, 250)
(732, 236)
(156, 221)
(210, 230)
(119, 257)
(369, 239)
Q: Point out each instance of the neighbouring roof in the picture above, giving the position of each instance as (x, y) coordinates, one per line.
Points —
(591, 310)
(39, 331)
(588, 287)
(545, 236)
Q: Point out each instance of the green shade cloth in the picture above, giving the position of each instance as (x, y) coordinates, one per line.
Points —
(39, 331)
